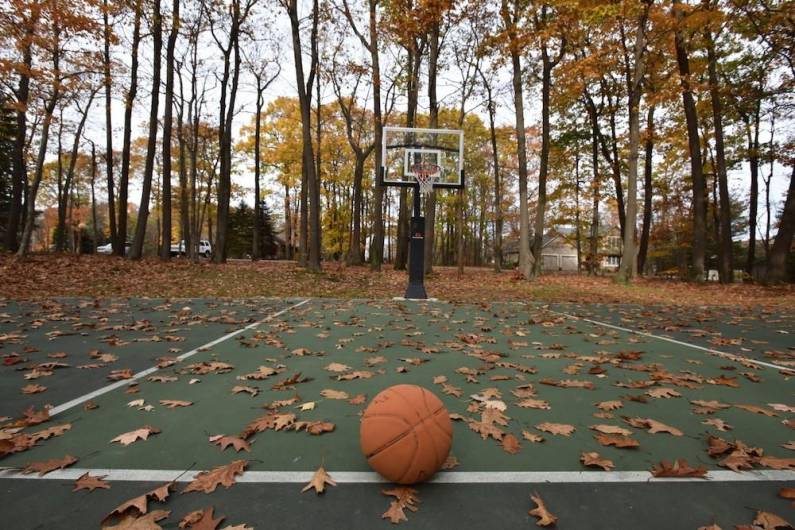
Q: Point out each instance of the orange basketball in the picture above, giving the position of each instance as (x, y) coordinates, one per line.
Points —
(406, 434)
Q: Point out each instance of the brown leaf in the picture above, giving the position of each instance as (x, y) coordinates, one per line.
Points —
(450, 462)
(358, 399)
(662, 392)
(42, 468)
(90, 483)
(611, 429)
(545, 517)
(530, 403)
(238, 444)
(143, 522)
(337, 367)
(329, 393)
(596, 460)
(561, 429)
(609, 405)
(225, 476)
(405, 499)
(679, 468)
(319, 481)
(510, 444)
(251, 390)
(139, 434)
(757, 410)
(618, 441)
(718, 424)
(201, 520)
(532, 437)
(777, 463)
(653, 426)
(770, 521)
(33, 389)
(139, 505)
(174, 403)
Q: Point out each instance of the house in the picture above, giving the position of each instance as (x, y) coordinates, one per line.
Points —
(559, 250)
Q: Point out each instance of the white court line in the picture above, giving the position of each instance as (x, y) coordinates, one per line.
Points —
(124, 382)
(449, 477)
(725, 355)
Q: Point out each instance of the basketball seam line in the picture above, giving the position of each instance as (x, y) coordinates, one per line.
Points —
(404, 433)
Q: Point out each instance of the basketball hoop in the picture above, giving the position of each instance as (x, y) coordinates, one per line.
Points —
(426, 175)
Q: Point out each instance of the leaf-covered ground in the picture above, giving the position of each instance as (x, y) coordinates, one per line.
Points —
(43, 276)
(528, 388)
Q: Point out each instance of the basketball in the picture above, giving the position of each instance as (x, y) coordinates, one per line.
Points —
(406, 434)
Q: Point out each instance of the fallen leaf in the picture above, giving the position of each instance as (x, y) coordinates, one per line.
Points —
(319, 481)
(545, 517)
(450, 462)
(143, 522)
(530, 403)
(202, 520)
(139, 434)
(251, 390)
(662, 392)
(225, 476)
(174, 403)
(139, 505)
(611, 429)
(358, 399)
(596, 460)
(718, 424)
(510, 444)
(90, 483)
(405, 499)
(42, 468)
(757, 410)
(770, 521)
(609, 405)
(679, 468)
(337, 367)
(329, 393)
(33, 389)
(621, 442)
(532, 437)
(561, 429)
(238, 444)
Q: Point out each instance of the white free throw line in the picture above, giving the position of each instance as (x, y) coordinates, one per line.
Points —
(725, 355)
(449, 477)
(124, 382)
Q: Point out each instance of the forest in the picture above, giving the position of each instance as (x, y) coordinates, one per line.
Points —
(667, 124)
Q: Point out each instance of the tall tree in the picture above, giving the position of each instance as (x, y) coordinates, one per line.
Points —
(549, 59)
(168, 119)
(725, 260)
(226, 29)
(782, 245)
(108, 36)
(627, 268)
(511, 12)
(137, 249)
(370, 43)
(693, 142)
(120, 245)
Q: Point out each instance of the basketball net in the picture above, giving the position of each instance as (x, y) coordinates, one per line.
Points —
(426, 176)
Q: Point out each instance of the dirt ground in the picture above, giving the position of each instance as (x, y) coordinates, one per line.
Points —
(43, 276)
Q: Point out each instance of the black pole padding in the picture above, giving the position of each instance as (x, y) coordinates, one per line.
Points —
(416, 287)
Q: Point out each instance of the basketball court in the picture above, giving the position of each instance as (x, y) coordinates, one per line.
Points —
(571, 356)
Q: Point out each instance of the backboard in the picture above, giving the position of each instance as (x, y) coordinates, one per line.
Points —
(409, 151)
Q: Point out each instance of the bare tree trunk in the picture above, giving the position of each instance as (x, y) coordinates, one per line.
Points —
(121, 243)
(647, 190)
(165, 249)
(525, 264)
(753, 208)
(136, 252)
(94, 228)
(495, 162)
(777, 264)
(628, 267)
(725, 258)
(694, 145)
(108, 82)
(256, 251)
(377, 247)
(49, 108)
(19, 166)
(430, 198)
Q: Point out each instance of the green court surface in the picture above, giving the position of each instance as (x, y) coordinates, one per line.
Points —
(565, 359)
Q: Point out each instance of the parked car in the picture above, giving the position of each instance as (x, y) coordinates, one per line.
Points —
(203, 247)
(108, 249)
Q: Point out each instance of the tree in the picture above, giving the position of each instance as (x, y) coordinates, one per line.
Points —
(694, 143)
(165, 244)
(136, 251)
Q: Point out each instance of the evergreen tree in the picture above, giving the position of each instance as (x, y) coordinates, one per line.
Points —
(241, 232)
